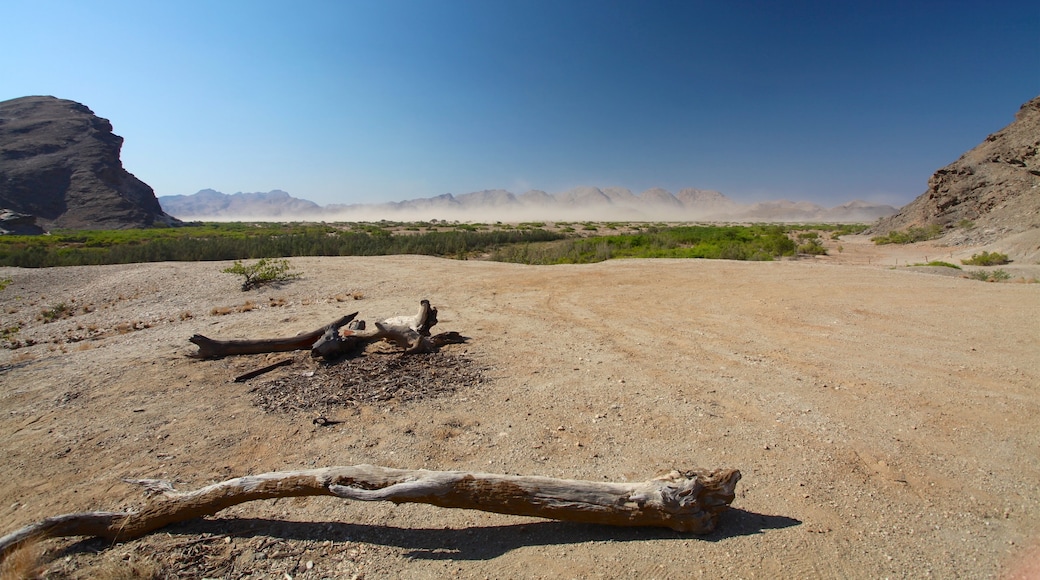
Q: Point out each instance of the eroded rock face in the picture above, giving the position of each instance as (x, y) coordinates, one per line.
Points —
(60, 163)
(20, 224)
(991, 192)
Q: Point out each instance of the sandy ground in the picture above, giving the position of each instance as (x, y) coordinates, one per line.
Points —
(884, 418)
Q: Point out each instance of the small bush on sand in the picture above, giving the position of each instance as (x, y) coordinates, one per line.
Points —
(264, 271)
(989, 276)
(986, 259)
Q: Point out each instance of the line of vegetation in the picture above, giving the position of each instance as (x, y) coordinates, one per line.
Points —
(249, 241)
(719, 242)
(910, 235)
(528, 243)
(938, 264)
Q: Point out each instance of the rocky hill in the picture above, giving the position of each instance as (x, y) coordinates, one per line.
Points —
(990, 196)
(59, 164)
(577, 204)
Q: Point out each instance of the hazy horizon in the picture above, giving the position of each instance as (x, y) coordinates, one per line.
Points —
(368, 102)
(522, 211)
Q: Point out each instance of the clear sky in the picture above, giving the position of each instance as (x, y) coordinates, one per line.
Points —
(384, 100)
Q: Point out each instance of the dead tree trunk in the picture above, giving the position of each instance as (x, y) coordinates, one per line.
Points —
(688, 501)
(210, 348)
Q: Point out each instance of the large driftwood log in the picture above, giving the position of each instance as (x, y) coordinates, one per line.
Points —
(411, 333)
(688, 501)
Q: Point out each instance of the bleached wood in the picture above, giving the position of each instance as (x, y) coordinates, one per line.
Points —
(411, 333)
(688, 501)
(212, 348)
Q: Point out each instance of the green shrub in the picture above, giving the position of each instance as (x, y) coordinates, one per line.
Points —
(263, 272)
(4, 283)
(813, 248)
(910, 236)
(986, 259)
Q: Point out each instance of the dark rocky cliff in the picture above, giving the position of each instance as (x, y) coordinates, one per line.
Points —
(59, 163)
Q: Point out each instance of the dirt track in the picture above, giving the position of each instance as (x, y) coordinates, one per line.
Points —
(885, 420)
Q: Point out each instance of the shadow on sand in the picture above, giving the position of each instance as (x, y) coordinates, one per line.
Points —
(472, 543)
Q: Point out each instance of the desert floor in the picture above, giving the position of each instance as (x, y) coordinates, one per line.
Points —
(885, 418)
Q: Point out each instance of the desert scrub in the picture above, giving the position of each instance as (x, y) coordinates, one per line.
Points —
(992, 276)
(56, 312)
(7, 336)
(986, 259)
(909, 236)
(713, 242)
(4, 283)
(264, 271)
(812, 247)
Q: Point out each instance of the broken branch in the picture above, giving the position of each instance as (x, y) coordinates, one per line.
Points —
(210, 348)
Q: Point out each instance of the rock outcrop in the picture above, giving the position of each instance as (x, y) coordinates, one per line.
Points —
(991, 193)
(18, 224)
(59, 163)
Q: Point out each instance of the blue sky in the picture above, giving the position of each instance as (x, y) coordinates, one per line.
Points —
(357, 102)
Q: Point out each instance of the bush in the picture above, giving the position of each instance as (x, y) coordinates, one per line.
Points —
(56, 312)
(263, 272)
(813, 248)
(910, 236)
(986, 259)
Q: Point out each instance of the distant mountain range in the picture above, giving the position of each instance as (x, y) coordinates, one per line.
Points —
(578, 204)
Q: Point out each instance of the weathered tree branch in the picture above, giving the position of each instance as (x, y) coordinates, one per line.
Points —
(411, 333)
(210, 348)
(688, 501)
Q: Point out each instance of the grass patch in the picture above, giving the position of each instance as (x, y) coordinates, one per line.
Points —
(938, 264)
